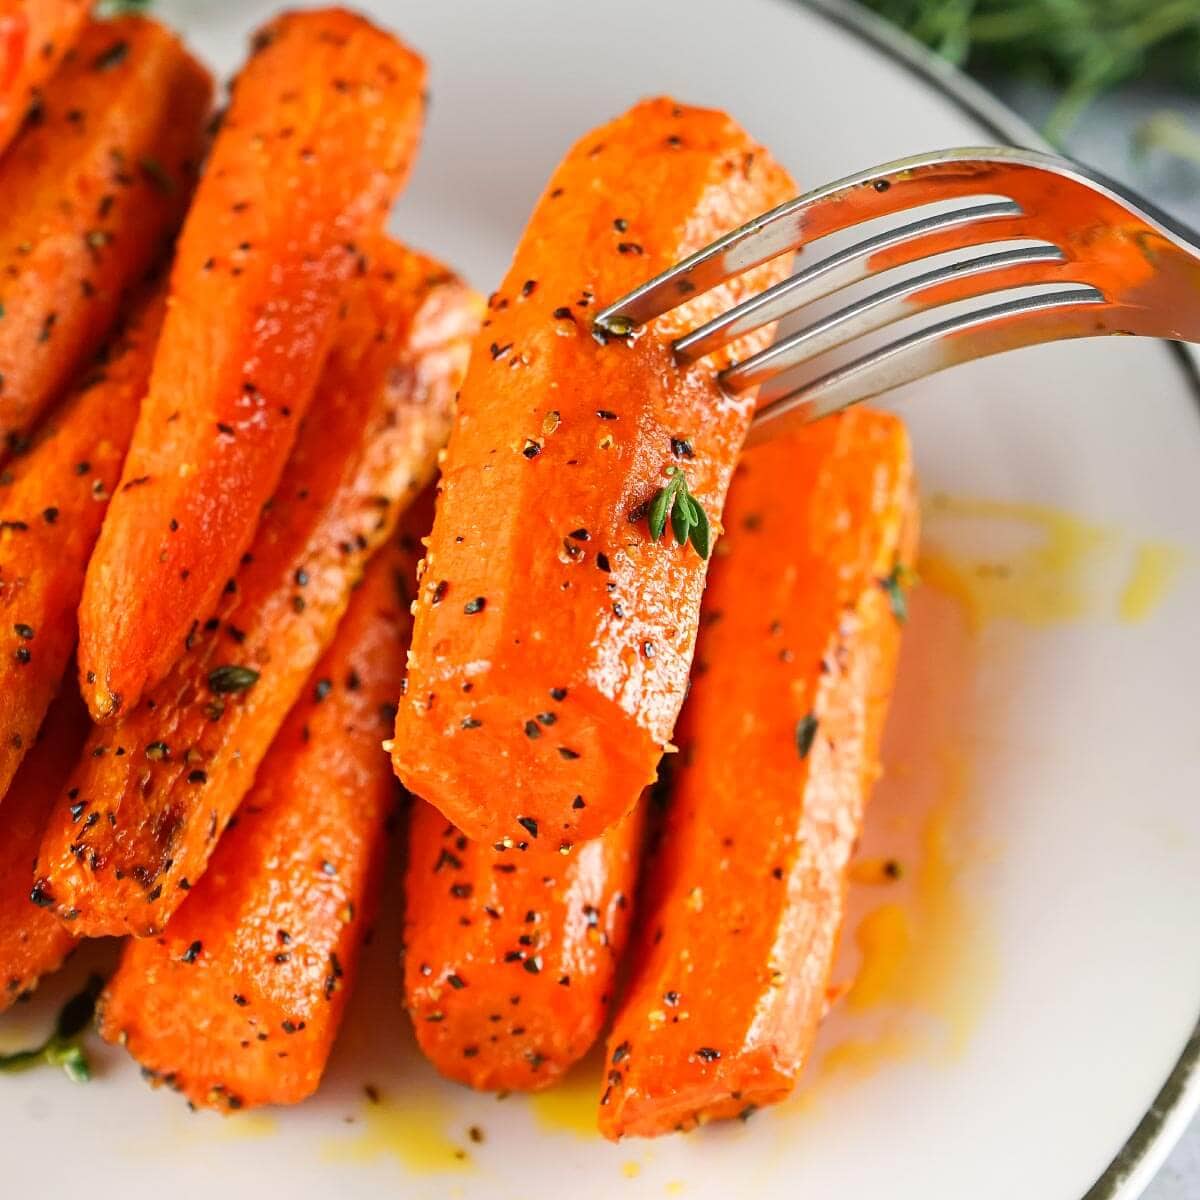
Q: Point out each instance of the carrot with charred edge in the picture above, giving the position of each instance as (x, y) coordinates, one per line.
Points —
(167, 777)
(263, 954)
(93, 192)
(509, 961)
(52, 501)
(32, 942)
(320, 133)
(34, 36)
(745, 892)
(543, 590)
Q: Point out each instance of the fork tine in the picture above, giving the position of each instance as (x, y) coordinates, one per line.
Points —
(965, 280)
(1017, 323)
(878, 192)
(905, 244)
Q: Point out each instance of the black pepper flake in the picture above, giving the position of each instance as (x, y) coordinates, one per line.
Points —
(563, 313)
(806, 734)
(620, 224)
(50, 515)
(228, 679)
(498, 351)
(457, 982)
(531, 449)
(546, 718)
(321, 689)
(567, 753)
(682, 448)
(475, 606)
(192, 952)
(197, 776)
(439, 592)
(22, 655)
(578, 802)
(605, 414)
(23, 631)
(630, 248)
(602, 562)
(670, 999)
(529, 824)
(112, 57)
(240, 1000)
(708, 1054)
(620, 1053)
(470, 723)
(532, 730)
(533, 964)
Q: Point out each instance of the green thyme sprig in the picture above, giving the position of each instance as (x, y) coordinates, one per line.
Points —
(689, 522)
(62, 1048)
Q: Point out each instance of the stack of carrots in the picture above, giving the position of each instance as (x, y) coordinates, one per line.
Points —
(223, 395)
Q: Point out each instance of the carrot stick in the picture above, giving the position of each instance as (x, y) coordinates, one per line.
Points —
(52, 501)
(543, 591)
(34, 36)
(32, 942)
(509, 960)
(167, 776)
(90, 195)
(779, 748)
(320, 132)
(263, 955)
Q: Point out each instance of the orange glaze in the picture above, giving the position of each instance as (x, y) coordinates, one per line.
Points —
(542, 592)
(320, 132)
(169, 774)
(34, 36)
(779, 747)
(32, 942)
(52, 501)
(237, 1002)
(510, 960)
(103, 179)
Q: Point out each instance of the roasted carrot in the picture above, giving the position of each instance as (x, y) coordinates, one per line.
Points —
(509, 961)
(90, 195)
(52, 501)
(319, 135)
(263, 954)
(779, 748)
(34, 36)
(544, 593)
(167, 776)
(32, 942)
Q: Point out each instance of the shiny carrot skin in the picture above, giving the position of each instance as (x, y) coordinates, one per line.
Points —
(779, 747)
(263, 955)
(168, 776)
(509, 960)
(543, 590)
(32, 942)
(52, 501)
(319, 136)
(90, 196)
(34, 36)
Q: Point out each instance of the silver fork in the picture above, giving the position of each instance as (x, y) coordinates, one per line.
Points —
(1130, 270)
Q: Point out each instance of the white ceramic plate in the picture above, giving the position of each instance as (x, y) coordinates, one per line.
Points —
(1033, 980)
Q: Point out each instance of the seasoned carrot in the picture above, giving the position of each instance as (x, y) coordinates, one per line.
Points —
(32, 942)
(320, 133)
(509, 960)
(34, 36)
(52, 501)
(263, 954)
(90, 195)
(779, 747)
(544, 592)
(168, 775)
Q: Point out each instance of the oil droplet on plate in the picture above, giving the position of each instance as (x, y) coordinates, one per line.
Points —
(570, 1106)
(1155, 566)
(411, 1129)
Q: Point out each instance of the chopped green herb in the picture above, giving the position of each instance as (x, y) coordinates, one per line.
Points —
(688, 519)
(62, 1048)
(894, 584)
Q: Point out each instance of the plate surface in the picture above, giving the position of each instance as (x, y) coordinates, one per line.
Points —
(1022, 993)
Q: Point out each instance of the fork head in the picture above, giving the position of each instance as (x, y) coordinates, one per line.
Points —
(1101, 262)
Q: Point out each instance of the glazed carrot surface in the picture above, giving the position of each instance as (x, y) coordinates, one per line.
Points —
(167, 777)
(553, 638)
(52, 501)
(34, 36)
(779, 748)
(509, 961)
(263, 955)
(90, 196)
(318, 137)
(32, 942)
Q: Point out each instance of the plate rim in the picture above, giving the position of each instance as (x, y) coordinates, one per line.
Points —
(1178, 1099)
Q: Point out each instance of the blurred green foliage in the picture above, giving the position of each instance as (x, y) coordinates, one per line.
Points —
(1083, 47)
